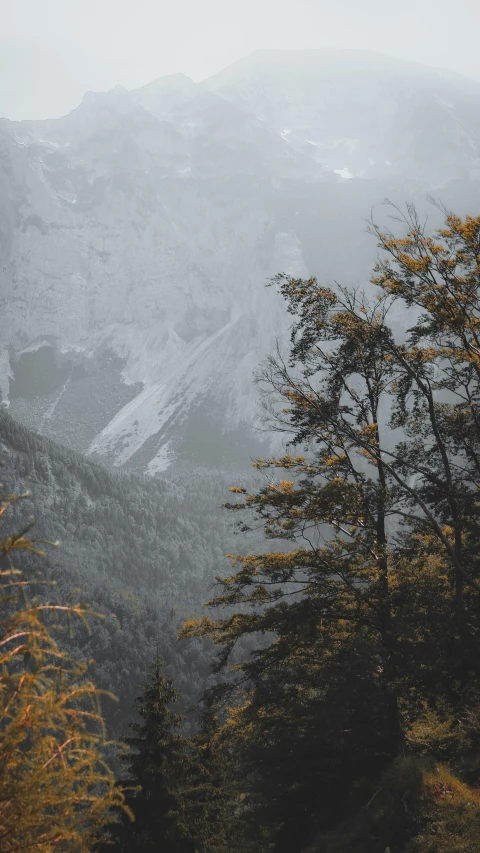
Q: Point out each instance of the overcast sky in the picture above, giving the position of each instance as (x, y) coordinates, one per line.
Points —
(53, 51)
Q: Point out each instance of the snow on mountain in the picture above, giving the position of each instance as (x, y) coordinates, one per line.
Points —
(137, 235)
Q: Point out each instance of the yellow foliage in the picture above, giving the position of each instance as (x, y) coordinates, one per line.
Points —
(56, 791)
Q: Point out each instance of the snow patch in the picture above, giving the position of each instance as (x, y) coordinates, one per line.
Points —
(55, 145)
(344, 173)
(162, 460)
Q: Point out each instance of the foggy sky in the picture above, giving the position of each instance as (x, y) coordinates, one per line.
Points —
(53, 51)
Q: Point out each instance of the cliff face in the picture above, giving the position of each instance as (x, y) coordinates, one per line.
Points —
(138, 232)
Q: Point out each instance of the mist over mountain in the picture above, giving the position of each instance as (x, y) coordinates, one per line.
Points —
(138, 232)
(215, 658)
(365, 115)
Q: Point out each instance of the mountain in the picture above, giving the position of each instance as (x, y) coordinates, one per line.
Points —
(363, 114)
(137, 235)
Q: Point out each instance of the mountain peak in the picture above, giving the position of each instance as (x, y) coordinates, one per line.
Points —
(335, 62)
(168, 81)
(165, 94)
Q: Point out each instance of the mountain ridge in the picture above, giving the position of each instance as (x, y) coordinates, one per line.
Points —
(138, 232)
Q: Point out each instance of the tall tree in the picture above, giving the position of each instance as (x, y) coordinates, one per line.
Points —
(372, 610)
(438, 373)
(157, 764)
(212, 790)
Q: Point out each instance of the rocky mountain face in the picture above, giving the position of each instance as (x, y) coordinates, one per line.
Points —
(137, 235)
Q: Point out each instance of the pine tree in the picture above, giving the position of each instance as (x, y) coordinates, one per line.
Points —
(212, 790)
(157, 764)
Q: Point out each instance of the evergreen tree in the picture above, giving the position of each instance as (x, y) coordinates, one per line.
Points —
(157, 764)
(212, 790)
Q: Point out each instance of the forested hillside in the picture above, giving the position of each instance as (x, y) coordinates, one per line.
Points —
(142, 551)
